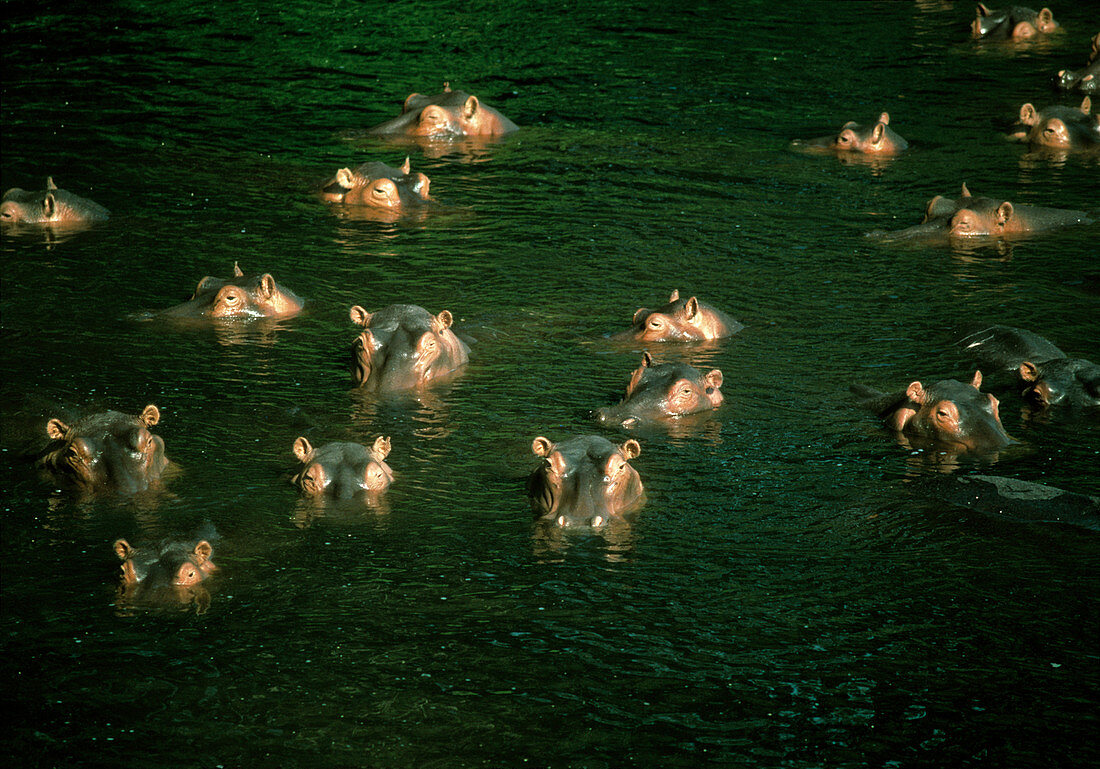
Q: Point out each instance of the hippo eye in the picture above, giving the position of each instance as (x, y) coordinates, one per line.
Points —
(231, 298)
(655, 323)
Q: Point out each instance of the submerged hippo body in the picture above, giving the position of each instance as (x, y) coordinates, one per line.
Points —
(1012, 23)
(681, 320)
(378, 185)
(446, 115)
(403, 346)
(584, 480)
(240, 297)
(951, 413)
(1004, 348)
(343, 469)
(1086, 80)
(51, 206)
(1060, 128)
(107, 452)
(970, 216)
(876, 138)
(666, 390)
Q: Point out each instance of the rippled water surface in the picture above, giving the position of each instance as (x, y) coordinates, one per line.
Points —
(799, 590)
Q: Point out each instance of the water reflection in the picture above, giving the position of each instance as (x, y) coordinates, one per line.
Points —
(131, 599)
(465, 150)
(428, 408)
(228, 332)
(615, 537)
(308, 510)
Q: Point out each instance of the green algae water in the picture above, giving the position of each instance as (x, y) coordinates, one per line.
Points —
(790, 595)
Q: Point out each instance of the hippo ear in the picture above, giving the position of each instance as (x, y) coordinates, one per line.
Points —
(1029, 372)
(202, 552)
(443, 320)
(915, 392)
(1046, 19)
(123, 549)
(938, 206)
(49, 183)
(359, 316)
(446, 86)
(635, 380)
(1028, 115)
(647, 359)
(381, 447)
(409, 98)
(976, 382)
(49, 205)
(691, 308)
(675, 297)
(406, 167)
(639, 315)
(203, 283)
(469, 109)
(1004, 214)
(542, 446)
(237, 271)
(966, 192)
(1086, 105)
(345, 178)
(56, 429)
(150, 415)
(631, 449)
(713, 378)
(267, 285)
(878, 133)
(884, 118)
(302, 450)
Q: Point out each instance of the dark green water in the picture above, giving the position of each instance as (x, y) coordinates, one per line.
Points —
(786, 598)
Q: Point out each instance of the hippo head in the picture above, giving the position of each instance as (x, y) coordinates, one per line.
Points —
(955, 413)
(450, 114)
(403, 346)
(51, 206)
(1061, 127)
(969, 216)
(108, 451)
(242, 296)
(343, 469)
(586, 479)
(172, 563)
(378, 185)
(664, 390)
(1070, 381)
(679, 320)
(1013, 23)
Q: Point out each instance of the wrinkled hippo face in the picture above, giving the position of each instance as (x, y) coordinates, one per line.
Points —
(875, 139)
(379, 186)
(242, 296)
(180, 564)
(585, 480)
(665, 390)
(343, 469)
(1063, 128)
(109, 451)
(446, 115)
(676, 321)
(403, 347)
(51, 206)
(1070, 381)
(955, 413)
(969, 216)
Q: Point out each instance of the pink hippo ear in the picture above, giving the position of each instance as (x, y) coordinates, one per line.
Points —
(469, 109)
(635, 379)
(56, 429)
(150, 415)
(1029, 372)
(639, 315)
(1004, 214)
(542, 446)
(409, 98)
(406, 167)
(965, 191)
(878, 133)
(302, 450)
(713, 378)
(359, 316)
(381, 447)
(442, 321)
(631, 449)
(1086, 105)
(691, 308)
(237, 271)
(202, 552)
(1045, 21)
(884, 118)
(976, 382)
(267, 285)
(345, 178)
(123, 549)
(675, 296)
(49, 183)
(49, 205)
(915, 393)
(1028, 115)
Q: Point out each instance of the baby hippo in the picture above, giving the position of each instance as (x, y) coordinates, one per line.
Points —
(240, 297)
(169, 563)
(681, 320)
(379, 186)
(949, 412)
(876, 138)
(110, 452)
(343, 469)
(446, 115)
(658, 391)
(1012, 23)
(51, 206)
(584, 480)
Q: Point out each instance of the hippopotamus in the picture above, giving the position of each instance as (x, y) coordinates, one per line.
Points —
(403, 346)
(241, 297)
(51, 206)
(379, 186)
(1012, 23)
(658, 391)
(1047, 375)
(681, 320)
(584, 480)
(110, 451)
(952, 413)
(1014, 499)
(875, 138)
(1085, 80)
(343, 469)
(446, 115)
(182, 563)
(969, 216)
(1061, 128)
